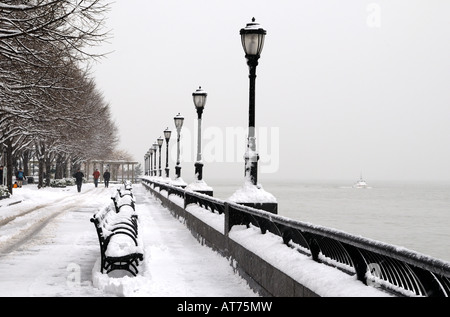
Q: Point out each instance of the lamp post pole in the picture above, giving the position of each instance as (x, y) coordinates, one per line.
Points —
(252, 37)
(150, 172)
(146, 163)
(160, 143)
(155, 150)
(199, 97)
(150, 157)
(167, 134)
(178, 124)
(199, 185)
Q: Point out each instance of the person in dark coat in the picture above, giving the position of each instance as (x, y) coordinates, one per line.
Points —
(106, 177)
(78, 179)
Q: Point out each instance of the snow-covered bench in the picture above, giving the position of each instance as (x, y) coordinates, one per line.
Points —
(121, 248)
(123, 196)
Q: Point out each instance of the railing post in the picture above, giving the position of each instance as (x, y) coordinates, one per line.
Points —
(233, 217)
(313, 246)
(227, 226)
(187, 199)
(359, 263)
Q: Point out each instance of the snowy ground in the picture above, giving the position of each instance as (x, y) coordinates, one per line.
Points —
(49, 247)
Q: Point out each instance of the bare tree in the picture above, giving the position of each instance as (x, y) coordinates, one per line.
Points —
(42, 46)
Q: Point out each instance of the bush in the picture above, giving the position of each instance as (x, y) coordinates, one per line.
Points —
(70, 181)
(61, 183)
(4, 193)
(58, 183)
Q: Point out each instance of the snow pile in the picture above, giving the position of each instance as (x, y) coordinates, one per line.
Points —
(178, 182)
(250, 193)
(321, 279)
(198, 185)
(212, 219)
(122, 245)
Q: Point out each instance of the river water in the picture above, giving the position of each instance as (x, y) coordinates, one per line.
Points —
(412, 215)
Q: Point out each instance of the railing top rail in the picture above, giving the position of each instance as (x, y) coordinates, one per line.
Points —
(164, 184)
(191, 193)
(206, 197)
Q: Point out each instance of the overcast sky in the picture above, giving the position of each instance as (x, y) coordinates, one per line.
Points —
(343, 87)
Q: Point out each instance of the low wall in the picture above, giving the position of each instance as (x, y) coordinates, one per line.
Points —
(261, 276)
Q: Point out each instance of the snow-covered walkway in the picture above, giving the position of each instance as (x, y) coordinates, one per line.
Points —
(49, 247)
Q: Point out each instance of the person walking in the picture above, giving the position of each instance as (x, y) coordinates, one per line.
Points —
(96, 175)
(19, 177)
(106, 177)
(78, 179)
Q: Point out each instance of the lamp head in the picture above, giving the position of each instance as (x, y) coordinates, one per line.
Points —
(199, 97)
(252, 38)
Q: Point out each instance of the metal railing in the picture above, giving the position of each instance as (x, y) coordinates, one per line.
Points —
(396, 270)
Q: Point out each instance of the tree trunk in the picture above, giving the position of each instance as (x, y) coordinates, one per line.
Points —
(9, 166)
(60, 167)
(48, 168)
(41, 173)
(26, 159)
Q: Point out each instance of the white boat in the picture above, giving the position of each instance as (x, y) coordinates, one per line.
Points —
(361, 183)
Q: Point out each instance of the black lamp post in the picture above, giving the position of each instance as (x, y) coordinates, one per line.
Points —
(199, 97)
(178, 119)
(150, 157)
(167, 134)
(146, 163)
(160, 143)
(199, 185)
(150, 172)
(252, 37)
(155, 150)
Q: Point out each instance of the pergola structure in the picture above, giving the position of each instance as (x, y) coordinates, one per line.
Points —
(120, 170)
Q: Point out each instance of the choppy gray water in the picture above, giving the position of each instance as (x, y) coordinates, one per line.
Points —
(414, 216)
